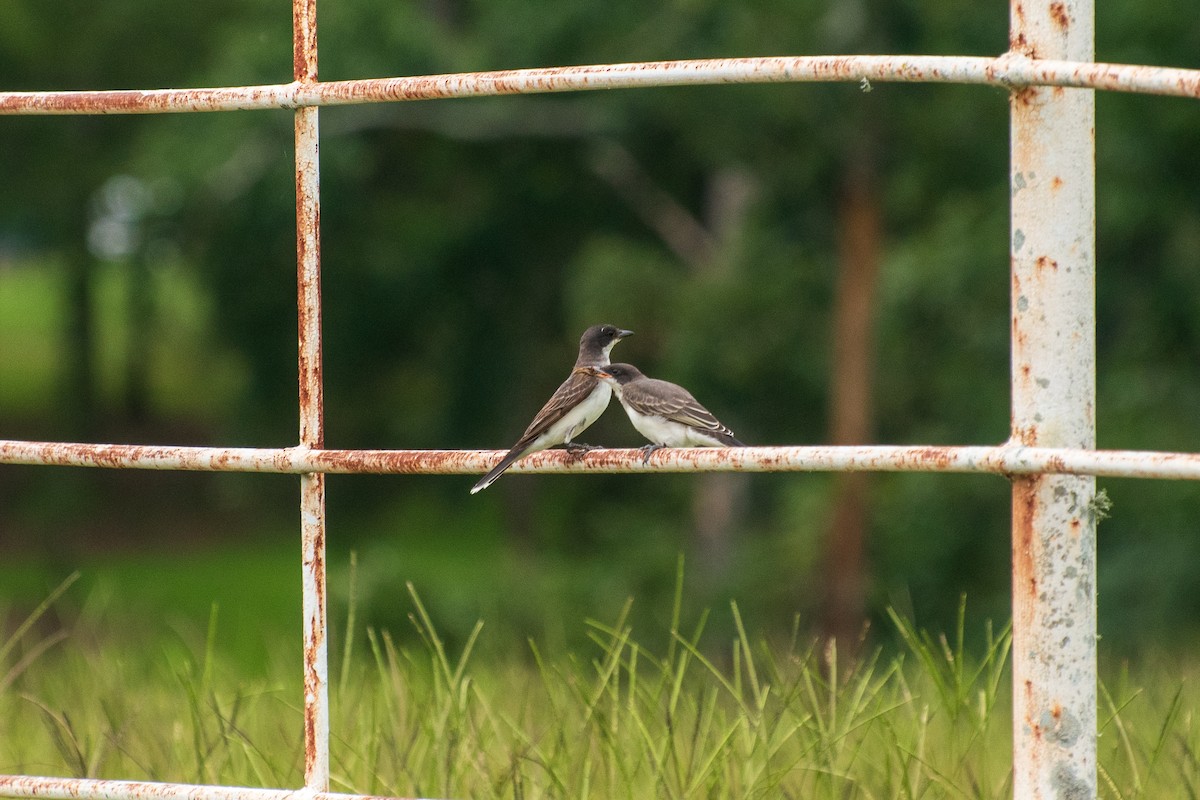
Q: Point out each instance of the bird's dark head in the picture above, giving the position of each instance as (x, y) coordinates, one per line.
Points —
(620, 374)
(597, 341)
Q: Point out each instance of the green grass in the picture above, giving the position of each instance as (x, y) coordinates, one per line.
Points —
(666, 713)
(253, 588)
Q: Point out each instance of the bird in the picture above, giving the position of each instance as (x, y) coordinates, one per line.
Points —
(663, 412)
(575, 405)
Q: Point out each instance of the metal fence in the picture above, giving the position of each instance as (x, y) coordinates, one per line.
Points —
(1050, 456)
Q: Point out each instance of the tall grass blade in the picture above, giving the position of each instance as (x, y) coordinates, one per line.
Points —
(31, 620)
(351, 620)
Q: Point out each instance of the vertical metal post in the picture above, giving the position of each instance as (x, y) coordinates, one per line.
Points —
(312, 416)
(1053, 405)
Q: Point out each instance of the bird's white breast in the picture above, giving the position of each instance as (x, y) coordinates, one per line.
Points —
(579, 417)
(655, 428)
(660, 430)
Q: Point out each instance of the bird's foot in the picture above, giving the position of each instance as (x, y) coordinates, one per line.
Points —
(649, 450)
(579, 449)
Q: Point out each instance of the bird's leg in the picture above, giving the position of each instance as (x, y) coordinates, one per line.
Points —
(648, 450)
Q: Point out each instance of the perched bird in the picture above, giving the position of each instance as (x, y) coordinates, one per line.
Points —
(574, 406)
(663, 412)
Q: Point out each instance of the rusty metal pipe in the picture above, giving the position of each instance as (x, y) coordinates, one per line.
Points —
(1014, 69)
(311, 403)
(23, 786)
(1053, 184)
(1009, 459)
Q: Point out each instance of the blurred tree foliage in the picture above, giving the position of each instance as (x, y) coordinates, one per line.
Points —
(468, 242)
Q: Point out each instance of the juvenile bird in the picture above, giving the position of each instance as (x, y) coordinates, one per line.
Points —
(575, 405)
(663, 412)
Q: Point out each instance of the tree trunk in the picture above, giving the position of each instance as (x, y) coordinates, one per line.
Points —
(717, 503)
(843, 599)
(79, 375)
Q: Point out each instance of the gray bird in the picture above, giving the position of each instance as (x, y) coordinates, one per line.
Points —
(663, 412)
(575, 405)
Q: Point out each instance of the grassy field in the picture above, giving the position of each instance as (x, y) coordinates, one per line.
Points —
(665, 713)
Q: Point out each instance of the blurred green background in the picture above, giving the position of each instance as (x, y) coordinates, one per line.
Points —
(147, 295)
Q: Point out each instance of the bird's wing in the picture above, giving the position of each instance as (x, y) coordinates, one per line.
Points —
(669, 401)
(573, 391)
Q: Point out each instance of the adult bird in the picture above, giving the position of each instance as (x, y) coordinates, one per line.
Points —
(663, 412)
(575, 405)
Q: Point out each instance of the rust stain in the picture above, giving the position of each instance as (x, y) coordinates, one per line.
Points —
(1056, 184)
(1025, 97)
(1017, 41)
(1033, 725)
(1024, 579)
(1045, 262)
(318, 547)
(1059, 16)
(1026, 435)
(315, 636)
(310, 747)
(304, 40)
(409, 462)
(937, 456)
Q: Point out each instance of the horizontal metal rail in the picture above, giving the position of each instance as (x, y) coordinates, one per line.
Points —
(1004, 459)
(81, 788)
(1008, 71)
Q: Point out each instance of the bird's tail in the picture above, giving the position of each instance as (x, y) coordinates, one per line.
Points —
(496, 471)
(731, 441)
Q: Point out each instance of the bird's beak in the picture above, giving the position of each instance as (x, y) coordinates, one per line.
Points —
(597, 372)
(621, 334)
